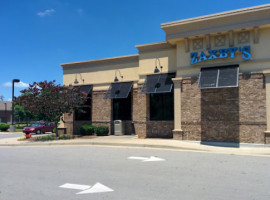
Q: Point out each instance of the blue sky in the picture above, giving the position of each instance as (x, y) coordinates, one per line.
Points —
(37, 35)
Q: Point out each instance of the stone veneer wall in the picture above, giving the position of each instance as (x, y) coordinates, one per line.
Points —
(159, 129)
(129, 128)
(140, 113)
(191, 109)
(101, 110)
(225, 114)
(252, 107)
(68, 118)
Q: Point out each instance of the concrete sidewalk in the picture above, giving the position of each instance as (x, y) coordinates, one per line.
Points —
(166, 144)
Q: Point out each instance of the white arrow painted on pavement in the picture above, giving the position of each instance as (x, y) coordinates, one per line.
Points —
(137, 158)
(75, 186)
(146, 159)
(97, 188)
(153, 158)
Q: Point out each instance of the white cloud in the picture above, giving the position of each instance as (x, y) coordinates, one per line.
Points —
(46, 13)
(19, 85)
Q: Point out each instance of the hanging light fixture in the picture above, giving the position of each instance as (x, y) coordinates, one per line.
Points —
(116, 79)
(76, 80)
(156, 68)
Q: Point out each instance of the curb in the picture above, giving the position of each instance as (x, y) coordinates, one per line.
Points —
(207, 147)
(165, 147)
(104, 144)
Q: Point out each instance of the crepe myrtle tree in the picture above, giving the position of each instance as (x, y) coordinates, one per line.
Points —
(51, 101)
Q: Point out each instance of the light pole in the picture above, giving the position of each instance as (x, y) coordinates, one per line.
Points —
(5, 112)
(12, 127)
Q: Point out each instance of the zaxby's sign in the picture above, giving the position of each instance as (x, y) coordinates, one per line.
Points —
(220, 53)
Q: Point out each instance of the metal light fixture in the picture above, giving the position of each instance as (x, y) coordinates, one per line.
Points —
(156, 68)
(6, 112)
(76, 80)
(116, 79)
(12, 127)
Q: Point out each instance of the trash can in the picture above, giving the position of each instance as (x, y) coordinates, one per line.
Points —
(119, 127)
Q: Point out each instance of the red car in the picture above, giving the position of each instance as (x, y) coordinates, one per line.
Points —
(39, 127)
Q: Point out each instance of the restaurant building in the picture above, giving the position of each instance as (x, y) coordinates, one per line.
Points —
(5, 111)
(209, 81)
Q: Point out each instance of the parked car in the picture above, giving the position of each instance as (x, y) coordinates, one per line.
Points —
(39, 127)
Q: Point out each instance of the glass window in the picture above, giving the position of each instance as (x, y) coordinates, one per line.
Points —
(85, 112)
(162, 106)
(228, 77)
(218, 77)
(122, 108)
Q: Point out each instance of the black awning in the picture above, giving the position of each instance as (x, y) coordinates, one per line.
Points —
(158, 83)
(85, 88)
(118, 90)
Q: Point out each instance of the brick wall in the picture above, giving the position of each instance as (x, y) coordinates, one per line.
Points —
(140, 114)
(101, 110)
(225, 114)
(191, 109)
(159, 129)
(68, 118)
(5, 116)
(252, 107)
(141, 117)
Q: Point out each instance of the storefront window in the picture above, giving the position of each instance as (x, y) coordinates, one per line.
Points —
(122, 108)
(162, 106)
(218, 77)
(85, 112)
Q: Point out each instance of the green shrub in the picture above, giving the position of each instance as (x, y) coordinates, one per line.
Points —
(47, 137)
(87, 129)
(102, 130)
(20, 126)
(65, 137)
(4, 126)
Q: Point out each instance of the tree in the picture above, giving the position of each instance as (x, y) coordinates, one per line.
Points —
(51, 100)
(22, 113)
(1, 98)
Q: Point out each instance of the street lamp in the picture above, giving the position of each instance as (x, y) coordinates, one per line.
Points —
(12, 127)
(5, 112)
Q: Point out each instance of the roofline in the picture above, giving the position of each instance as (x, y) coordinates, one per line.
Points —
(151, 44)
(131, 58)
(215, 16)
(157, 46)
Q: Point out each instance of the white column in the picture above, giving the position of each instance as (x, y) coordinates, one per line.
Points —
(267, 93)
(177, 132)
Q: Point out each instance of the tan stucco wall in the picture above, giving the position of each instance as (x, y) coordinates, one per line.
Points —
(231, 20)
(259, 51)
(148, 61)
(100, 76)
